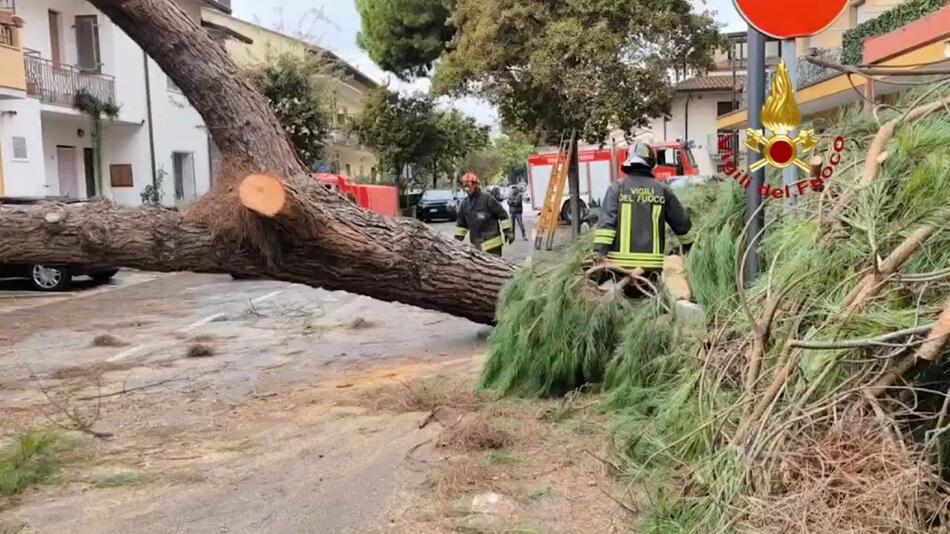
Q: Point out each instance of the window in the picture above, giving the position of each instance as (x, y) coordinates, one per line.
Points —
(87, 43)
(54, 38)
(19, 148)
(183, 171)
(341, 117)
(348, 172)
(724, 107)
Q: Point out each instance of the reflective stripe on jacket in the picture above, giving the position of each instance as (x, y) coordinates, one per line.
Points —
(485, 219)
(632, 228)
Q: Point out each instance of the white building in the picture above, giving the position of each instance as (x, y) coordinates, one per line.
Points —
(52, 49)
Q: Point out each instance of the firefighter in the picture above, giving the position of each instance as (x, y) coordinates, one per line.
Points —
(636, 210)
(484, 217)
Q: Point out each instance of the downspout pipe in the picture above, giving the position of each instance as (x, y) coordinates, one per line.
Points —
(151, 128)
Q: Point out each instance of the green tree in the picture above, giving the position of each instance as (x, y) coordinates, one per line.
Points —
(400, 129)
(289, 83)
(550, 66)
(404, 36)
(488, 163)
(515, 154)
(459, 135)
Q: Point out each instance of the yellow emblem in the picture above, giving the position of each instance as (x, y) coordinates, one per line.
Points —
(780, 115)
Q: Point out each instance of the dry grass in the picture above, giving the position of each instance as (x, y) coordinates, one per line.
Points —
(425, 395)
(360, 324)
(475, 432)
(89, 371)
(200, 350)
(854, 479)
(108, 340)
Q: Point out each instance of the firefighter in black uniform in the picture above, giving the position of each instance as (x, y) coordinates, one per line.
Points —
(484, 217)
(636, 210)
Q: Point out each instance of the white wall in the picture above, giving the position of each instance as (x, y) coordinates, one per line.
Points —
(703, 112)
(63, 132)
(177, 126)
(21, 118)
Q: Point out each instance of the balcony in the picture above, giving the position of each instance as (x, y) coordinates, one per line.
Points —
(58, 84)
(8, 5)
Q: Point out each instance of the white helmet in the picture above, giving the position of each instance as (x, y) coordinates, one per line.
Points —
(639, 157)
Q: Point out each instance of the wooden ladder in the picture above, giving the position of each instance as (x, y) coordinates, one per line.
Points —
(553, 198)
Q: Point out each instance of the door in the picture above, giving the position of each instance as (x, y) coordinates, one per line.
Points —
(54, 37)
(87, 43)
(183, 169)
(89, 167)
(66, 166)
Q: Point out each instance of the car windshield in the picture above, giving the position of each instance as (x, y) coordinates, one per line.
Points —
(437, 194)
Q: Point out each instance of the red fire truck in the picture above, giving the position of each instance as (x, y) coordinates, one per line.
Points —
(597, 168)
(381, 199)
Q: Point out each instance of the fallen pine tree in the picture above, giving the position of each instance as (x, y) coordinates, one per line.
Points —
(265, 216)
(816, 400)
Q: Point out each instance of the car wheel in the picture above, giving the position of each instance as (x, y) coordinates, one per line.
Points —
(49, 278)
(104, 276)
(566, 211)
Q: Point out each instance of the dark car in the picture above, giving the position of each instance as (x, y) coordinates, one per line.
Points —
(51, 277)
(437, 204)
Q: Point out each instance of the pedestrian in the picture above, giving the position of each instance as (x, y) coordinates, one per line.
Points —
(516, 210)
(637, 208)
(484, 217)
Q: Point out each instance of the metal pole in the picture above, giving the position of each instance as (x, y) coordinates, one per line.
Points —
(790, 174)
(574, 181)
(755, 216)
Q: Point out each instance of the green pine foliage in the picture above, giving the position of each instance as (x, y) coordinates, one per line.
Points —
(678, 399)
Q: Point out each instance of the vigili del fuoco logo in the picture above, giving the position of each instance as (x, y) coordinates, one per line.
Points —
(781, 116)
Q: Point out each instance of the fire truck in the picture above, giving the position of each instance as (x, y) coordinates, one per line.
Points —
(597, 168)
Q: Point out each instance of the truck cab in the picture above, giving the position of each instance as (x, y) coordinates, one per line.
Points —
(673, 159)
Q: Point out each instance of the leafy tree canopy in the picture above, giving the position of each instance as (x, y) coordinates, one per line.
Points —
(458, 136)
(514, 153)
(288, 82)
(404, 36)
(409, 130)
(586, 64)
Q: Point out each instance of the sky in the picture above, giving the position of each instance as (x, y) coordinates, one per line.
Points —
(334, 24)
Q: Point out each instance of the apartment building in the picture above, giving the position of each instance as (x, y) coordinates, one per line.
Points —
(52, 50)
(250, 44)
(915, 35)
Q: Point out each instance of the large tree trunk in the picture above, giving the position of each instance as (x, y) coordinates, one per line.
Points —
(282, 225)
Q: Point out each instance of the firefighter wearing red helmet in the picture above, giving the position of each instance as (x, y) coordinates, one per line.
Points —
(483, 217)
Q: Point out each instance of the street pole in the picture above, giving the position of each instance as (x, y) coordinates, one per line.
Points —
(755, 217)
(790, 173)
(574, 182)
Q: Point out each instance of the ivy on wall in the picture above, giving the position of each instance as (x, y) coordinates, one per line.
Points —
(853, 40)
(95, 108)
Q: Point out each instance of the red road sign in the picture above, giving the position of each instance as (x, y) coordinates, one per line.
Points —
(786, 19)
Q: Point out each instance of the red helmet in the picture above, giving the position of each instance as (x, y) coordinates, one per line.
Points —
(470, 178)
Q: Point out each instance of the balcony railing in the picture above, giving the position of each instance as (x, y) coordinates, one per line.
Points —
(8, 5)
(7, 35)
(58, 84)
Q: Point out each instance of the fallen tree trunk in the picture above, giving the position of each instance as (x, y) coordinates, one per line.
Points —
(314, 237)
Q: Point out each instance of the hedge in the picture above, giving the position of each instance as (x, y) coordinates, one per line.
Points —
(853, 40)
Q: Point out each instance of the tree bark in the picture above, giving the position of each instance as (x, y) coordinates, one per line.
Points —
(313, 236)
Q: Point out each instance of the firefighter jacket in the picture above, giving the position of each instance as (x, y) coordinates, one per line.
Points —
(485, 218)
(632, 228)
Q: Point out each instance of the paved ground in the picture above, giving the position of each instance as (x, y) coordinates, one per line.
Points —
(235, 403)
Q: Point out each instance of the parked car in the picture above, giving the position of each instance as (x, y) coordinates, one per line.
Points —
(437, 204)
(52, 277)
